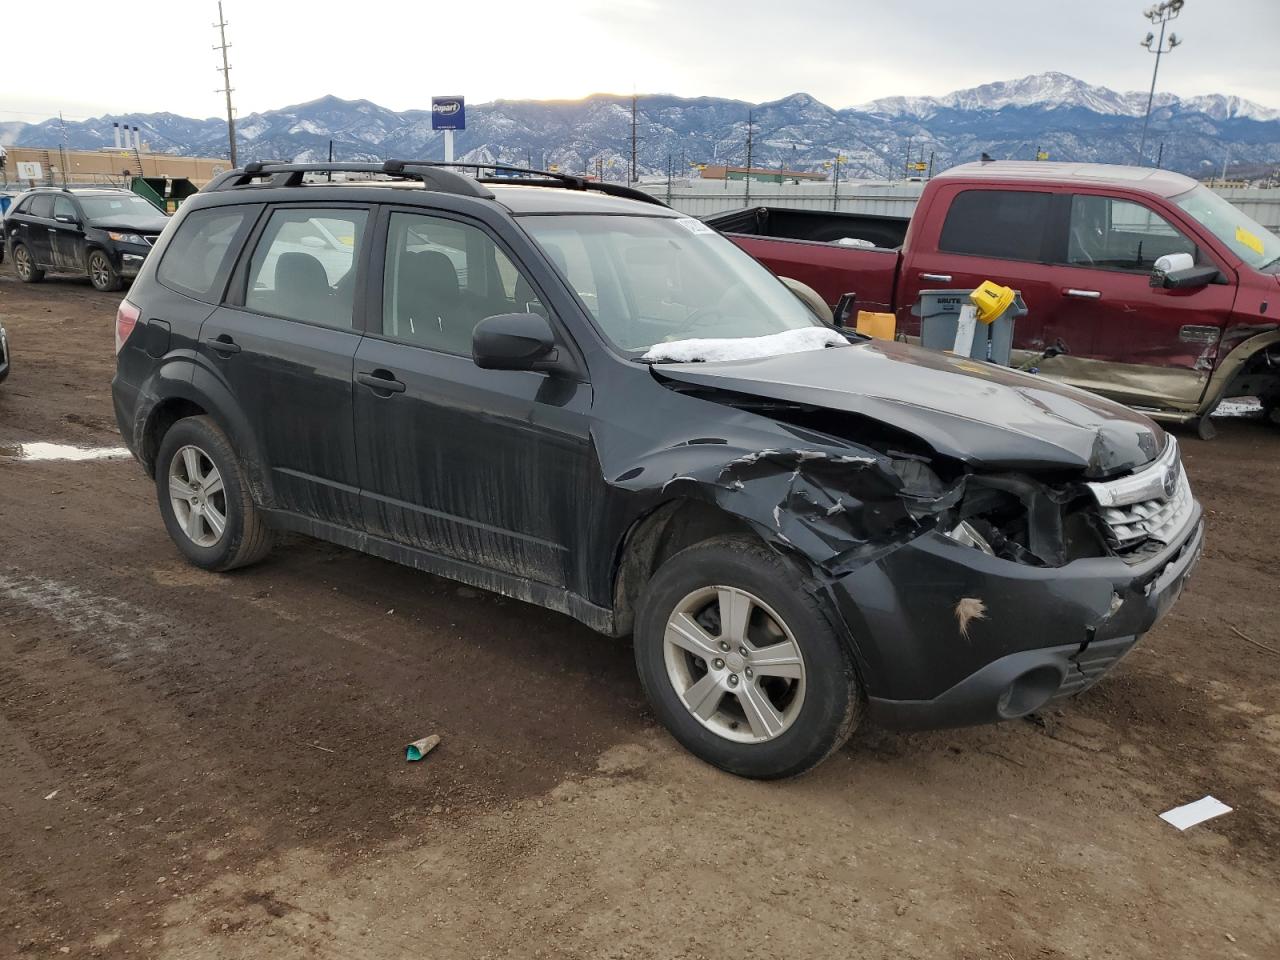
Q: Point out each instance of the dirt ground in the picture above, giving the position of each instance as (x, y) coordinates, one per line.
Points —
(203, 766)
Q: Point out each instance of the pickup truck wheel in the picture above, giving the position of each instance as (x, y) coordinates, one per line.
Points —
(739, 662)
(102, 274)
(204, 499)
(23, 262)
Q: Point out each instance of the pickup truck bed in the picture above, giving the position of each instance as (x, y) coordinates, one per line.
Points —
(803, 245)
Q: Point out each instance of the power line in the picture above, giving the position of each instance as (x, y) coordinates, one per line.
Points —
(226, 82)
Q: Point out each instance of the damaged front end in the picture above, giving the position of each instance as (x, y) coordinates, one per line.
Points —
(970, 592)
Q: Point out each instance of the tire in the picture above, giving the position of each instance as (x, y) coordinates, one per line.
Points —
(102, 274)
(816, 697)
(190, 449)
(25, 264)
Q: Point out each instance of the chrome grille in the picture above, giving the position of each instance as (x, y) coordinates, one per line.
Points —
(150, 238)
(1152, 505)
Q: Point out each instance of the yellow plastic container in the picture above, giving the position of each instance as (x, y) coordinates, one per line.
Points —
(879, 326)
(991, 299)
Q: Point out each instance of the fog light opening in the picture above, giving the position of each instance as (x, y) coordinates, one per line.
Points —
(1029, 692)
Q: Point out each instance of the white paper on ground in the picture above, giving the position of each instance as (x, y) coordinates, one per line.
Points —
(1189, 814)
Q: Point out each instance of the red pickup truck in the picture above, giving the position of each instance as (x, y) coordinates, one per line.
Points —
(1080, 242)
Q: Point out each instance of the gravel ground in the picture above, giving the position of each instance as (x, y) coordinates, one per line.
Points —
(204, 766)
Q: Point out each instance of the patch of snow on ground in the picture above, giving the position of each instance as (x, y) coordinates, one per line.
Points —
(745, 348)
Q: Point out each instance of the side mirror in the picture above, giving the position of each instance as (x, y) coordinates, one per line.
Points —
(63, 218)
(514, 341)
(1179, 270)
(1191, 277)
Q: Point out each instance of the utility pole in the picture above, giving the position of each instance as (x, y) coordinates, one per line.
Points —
(1161, 13)
(670, 164)
(747, 179)
(226, 82)
(633, 138)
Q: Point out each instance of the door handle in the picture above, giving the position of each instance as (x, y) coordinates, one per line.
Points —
(222, 344)
(381, 381)
(938, 277)
(1082, 294)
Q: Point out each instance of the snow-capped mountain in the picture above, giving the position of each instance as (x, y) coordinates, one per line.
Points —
(1054, 90)
(1068, 118)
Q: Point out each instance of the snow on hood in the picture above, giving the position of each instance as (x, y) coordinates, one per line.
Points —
(745, 348)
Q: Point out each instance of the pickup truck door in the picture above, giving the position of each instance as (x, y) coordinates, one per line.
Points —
(987, 234)
(1128, 340)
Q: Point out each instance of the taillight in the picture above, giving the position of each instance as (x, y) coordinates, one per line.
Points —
(126, 319)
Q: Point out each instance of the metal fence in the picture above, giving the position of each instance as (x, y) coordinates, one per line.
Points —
(700, 198)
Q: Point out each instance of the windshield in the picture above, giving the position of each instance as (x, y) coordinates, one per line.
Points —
(650, 280)
(123, 204)
(1249, 240)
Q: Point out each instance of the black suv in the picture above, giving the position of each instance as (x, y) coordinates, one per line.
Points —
(571, 394)
(103, 233)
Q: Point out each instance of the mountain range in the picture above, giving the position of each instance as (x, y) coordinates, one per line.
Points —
(1059, 114)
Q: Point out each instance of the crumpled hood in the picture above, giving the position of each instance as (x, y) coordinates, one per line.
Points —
(982, 414)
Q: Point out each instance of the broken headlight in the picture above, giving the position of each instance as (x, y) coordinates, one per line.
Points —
(1024, 520)
(966, 533)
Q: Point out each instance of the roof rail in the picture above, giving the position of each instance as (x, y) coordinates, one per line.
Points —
(291, 175)
(434, 175)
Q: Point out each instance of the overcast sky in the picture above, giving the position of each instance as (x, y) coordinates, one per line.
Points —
(101, 57)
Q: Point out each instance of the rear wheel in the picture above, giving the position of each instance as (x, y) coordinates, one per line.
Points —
(205, 500)
(23, 262)
(740, 663)
(102, 274)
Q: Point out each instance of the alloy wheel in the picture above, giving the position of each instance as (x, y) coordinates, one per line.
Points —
(197, 495)
(22, 262)
(99, 271)
(734, 664)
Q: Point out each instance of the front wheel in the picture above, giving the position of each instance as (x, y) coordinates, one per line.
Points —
(740, 664)
(102, 274)
(204, 499)
(25, 264)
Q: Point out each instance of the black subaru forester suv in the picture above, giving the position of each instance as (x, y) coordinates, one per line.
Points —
(571, 394)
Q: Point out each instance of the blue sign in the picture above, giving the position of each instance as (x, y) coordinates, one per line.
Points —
(448, 113)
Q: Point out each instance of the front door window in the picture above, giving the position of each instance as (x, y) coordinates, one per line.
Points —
(1112, 234)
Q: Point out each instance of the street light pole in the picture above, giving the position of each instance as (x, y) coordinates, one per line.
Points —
(1161, 13)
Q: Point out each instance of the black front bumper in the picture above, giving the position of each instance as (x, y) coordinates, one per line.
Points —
(1044, 633)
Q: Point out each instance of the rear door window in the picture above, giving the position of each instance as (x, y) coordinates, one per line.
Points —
(304, 267)
(1108, 233)
(1001, 224)
(197, 257)
(42, 206)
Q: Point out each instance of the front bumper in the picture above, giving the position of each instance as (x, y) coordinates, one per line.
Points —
(1042, 632)
(129, 262)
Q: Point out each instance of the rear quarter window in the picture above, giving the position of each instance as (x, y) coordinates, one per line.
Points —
(196, 258)
(1002, 224)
